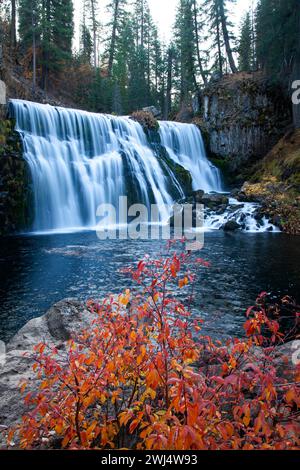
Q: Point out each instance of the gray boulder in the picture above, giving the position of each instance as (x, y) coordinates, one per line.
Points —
(231, 226)
(153, 110)
(57, 326)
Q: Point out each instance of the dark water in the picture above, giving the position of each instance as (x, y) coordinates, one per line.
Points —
(37, 271)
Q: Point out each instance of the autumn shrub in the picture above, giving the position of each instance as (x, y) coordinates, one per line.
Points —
(146, 120)
(143, 376)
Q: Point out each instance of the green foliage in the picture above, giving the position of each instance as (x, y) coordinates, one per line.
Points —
(246, 45)
(50, 25)
(185, 49)
(277, 31)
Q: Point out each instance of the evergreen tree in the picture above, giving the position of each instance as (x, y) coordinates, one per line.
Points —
(118, 16)
(145, 68)
(13, 25)
(185, 49)
(93, 13)
(277, 35)
(219, 35)
(86, 42)
(198, 26)
(223, 15)
(245, 45)
(47, 24)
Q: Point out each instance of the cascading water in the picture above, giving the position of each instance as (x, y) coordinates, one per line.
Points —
(79, 160)
(185, 146)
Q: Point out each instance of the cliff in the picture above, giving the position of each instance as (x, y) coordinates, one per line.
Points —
(243, 116)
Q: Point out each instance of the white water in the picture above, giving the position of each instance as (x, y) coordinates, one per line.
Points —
(243, 214)
(79, 160)
(185, 146)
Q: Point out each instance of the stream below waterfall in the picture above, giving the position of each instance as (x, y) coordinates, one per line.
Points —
(37, 271)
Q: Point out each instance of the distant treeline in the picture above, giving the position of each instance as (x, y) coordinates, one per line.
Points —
(123, 65)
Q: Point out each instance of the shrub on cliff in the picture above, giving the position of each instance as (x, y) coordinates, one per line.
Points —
(143, 377)
(146, 120)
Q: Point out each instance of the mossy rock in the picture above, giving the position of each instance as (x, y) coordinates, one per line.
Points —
(15, 181)
(182, 175)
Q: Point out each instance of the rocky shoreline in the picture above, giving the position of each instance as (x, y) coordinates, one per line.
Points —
(230, 212)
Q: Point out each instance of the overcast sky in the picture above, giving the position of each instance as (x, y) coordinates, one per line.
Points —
(163, 13)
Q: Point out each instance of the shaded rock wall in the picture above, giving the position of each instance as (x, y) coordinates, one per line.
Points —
(15, 193)
(243, 117)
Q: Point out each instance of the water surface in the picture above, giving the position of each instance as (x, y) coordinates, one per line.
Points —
(37, 271)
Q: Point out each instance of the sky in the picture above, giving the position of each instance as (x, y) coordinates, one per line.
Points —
(163, 13)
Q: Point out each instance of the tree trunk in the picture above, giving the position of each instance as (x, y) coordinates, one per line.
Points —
(33, 51)
(220, 57)
(226, 38)
(168, 98)
(113, 38)
(94, 21)
(13, 27)
(296, 77)
(46, 45)
(202, 73)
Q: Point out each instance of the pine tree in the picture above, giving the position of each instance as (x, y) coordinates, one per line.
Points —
(220, 36)
(86, 42)
(117, 12)
(142, 73)
(217, 56)
(169, 86)
(49, 25)
(245, 45)
(13, 25)
(277, 35)
(93, 9)
(185, 49)
(226, 35)
(197, 28)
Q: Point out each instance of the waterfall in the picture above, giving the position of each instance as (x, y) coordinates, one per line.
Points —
(184, 144)
(79, 160)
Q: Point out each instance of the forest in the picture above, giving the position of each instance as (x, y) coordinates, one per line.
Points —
(122, 65)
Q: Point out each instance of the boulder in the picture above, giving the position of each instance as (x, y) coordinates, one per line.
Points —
(198, 196)
(214, 200)
(152, 110)
(231, 226)
(58, 325)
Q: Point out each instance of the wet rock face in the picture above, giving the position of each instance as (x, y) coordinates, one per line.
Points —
(231, 226)
(14, 182)
(244, 116)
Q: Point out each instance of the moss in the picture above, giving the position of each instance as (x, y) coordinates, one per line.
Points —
(15, 193)
(182, 175)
